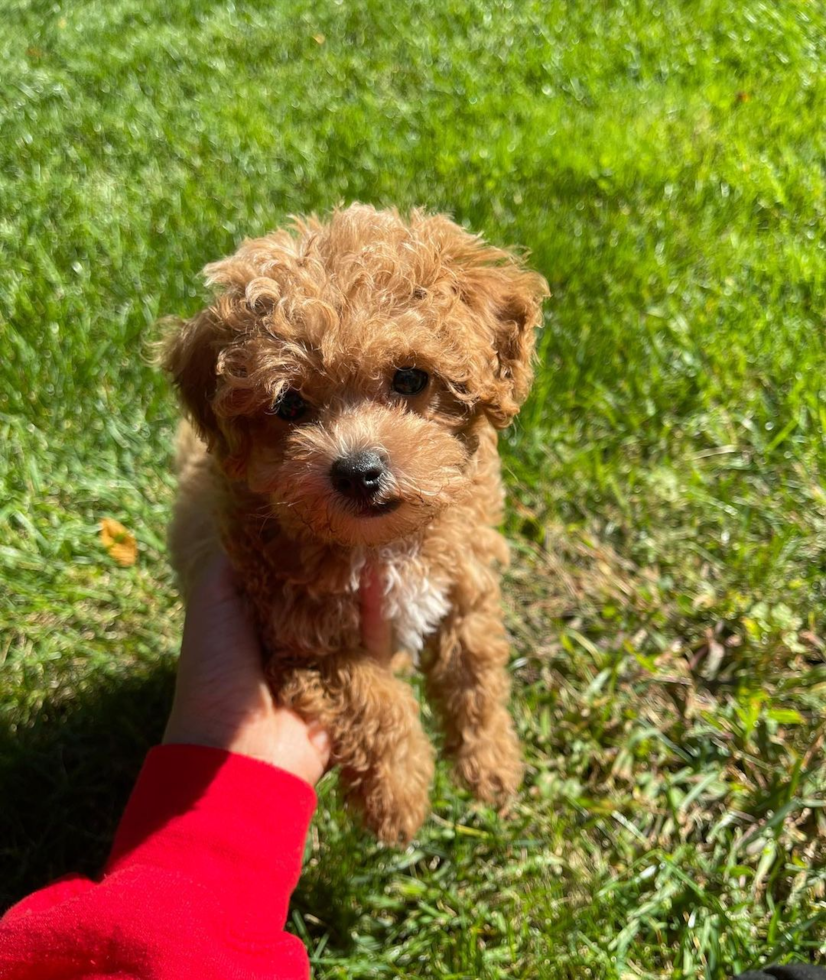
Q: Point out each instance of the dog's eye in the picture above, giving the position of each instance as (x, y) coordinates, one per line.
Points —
(290, 406)
(409, 381)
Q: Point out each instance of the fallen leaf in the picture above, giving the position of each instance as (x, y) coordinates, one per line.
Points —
(119, 542)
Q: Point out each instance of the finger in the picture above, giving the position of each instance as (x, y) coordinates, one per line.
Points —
(302, 748)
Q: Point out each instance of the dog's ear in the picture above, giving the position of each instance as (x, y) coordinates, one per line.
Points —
(190, 355)
(193, 356)
(507, 298)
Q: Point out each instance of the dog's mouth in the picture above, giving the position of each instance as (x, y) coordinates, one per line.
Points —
(367, 509)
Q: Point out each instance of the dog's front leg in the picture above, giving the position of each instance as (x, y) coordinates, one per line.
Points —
(372, 718)
(467, 681)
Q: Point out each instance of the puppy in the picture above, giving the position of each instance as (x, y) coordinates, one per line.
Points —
(344, 392)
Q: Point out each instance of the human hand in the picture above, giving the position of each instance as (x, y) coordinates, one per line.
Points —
(221, 696)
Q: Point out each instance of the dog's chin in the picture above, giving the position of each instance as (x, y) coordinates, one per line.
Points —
(350, 524)
(373, 524)
(373, 530)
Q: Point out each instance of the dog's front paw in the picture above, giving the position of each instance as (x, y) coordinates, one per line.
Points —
(395, 821)
(491, 768)
(394, 802)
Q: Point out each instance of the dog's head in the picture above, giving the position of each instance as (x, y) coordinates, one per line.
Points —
(345, 367)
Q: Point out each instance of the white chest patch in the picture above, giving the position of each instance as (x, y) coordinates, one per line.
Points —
(415, 606)
(413, 601)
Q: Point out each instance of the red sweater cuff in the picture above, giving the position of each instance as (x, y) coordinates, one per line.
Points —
(229, 823)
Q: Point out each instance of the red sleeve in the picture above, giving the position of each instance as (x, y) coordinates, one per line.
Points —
(196, 886)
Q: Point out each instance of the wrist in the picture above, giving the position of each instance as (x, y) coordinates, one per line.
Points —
(279, 738)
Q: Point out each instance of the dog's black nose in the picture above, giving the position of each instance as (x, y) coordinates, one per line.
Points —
(358, 475)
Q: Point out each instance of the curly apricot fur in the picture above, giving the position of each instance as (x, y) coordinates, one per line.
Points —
(331, 309)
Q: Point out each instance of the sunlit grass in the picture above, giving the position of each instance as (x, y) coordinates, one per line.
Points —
(664, 163)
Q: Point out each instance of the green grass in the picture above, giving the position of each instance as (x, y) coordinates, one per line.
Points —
(665, 164)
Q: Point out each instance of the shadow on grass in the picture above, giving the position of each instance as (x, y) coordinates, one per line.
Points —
(64, 782)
